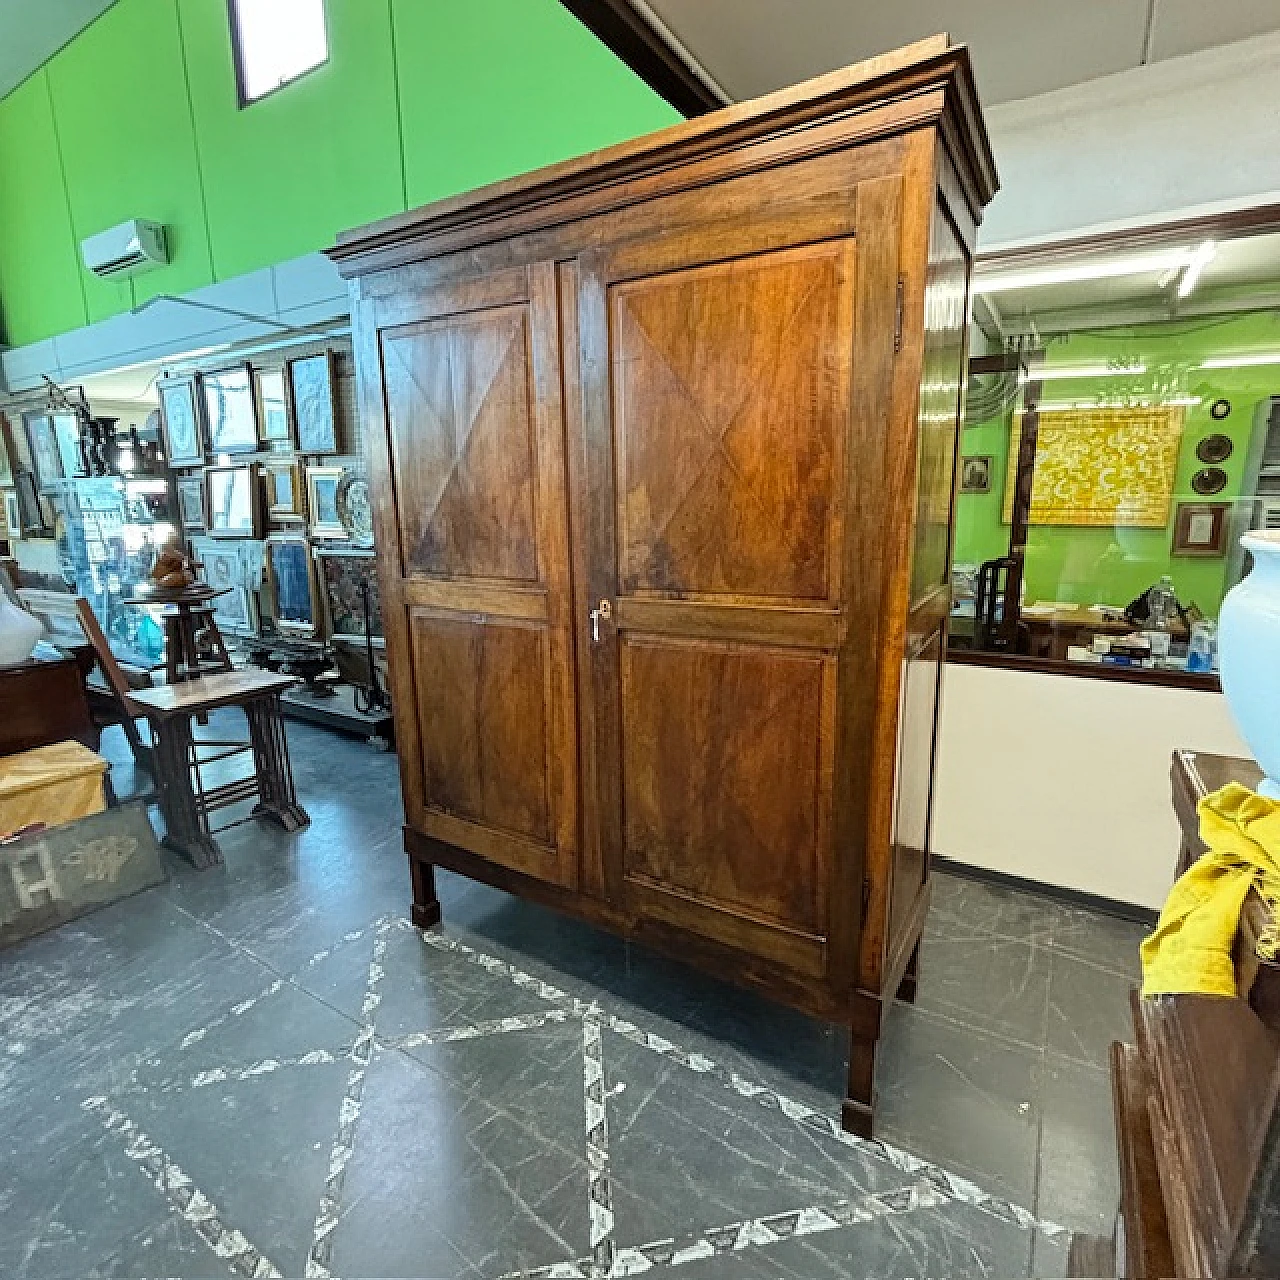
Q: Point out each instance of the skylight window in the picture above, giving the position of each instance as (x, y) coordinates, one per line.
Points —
(275, 42)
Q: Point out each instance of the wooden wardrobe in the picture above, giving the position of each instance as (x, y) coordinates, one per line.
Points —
(663, 451)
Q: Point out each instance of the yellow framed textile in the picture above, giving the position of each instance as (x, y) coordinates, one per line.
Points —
(1101, 467)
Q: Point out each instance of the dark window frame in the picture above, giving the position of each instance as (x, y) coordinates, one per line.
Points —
(237, 58)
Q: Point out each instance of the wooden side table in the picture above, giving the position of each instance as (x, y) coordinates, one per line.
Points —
(185, 802)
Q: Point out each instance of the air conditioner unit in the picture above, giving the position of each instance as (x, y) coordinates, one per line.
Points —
(133, 246)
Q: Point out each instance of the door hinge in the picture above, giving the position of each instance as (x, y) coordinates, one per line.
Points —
(897, 315)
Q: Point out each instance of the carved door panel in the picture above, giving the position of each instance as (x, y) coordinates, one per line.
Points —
(474, 558)
(715, 410)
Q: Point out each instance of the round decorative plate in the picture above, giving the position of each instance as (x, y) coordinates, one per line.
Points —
(1215, 448)
(1209, 480)
(355, 509)
(1220, 409)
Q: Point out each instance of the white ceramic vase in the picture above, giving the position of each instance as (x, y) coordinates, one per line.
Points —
(1249, 655)
(19, 632)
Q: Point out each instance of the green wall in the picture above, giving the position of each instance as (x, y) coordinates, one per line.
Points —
(1110, 566)
(138, 117)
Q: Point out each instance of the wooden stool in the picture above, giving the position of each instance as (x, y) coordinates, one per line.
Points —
(188, 628)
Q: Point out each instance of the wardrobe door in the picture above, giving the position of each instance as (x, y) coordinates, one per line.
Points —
(716, 396)
(473, 547)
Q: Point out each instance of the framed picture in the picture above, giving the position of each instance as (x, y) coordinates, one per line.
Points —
(975, 473)
(46, 459)
(292, 584)
(66, 430)
(231, 510)
(231, 410)
(180, 406)
(30, 513)
(236, 612)
(1200, 528)
(8, 451)
(311, 387)
(191, 502)
(342, 573)
(12, 519)
(283, 481)
(220, 562)
(273, 406)
(322, 501)
(355, 509)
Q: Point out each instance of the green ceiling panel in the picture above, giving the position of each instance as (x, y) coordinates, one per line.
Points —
(120, 99)
(40, 292)
(492, 88)
(285, 174)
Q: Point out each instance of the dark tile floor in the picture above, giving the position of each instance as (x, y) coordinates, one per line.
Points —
(263, 1070)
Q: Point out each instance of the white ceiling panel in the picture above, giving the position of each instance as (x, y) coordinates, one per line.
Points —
(754, 46)
(1183, 26)
(32, 31)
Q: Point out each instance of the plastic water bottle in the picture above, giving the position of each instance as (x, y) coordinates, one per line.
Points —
(1203, 646)
(1162, 604)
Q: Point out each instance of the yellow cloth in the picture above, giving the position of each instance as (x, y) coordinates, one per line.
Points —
(1190, 951)
(54, 784)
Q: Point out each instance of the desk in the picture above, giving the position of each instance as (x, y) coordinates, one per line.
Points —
(184, 801)
(1052, 634)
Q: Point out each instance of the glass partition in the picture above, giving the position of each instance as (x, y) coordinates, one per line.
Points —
(1122, 430)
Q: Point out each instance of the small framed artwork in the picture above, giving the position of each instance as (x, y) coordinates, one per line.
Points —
(311, 391)
(46, 459)
(283, 480)
(236, 612)
(231, 410)
(219, 561)
(231, 511)
(66, 429)
(975, 473)
(1200, 528)
(30, 513)
(12, 519)
(180, 406)
(273, 407)
(322, 502)
(191, 502)
(292, 583)
(342, 574)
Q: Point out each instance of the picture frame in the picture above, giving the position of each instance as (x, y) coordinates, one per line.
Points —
(231, 410)
(236, 612)
(191, 494)
(311, 383)
(181, 408)
(46, 458)
(66, 430)
(282, 480)
(231, 509)
(273, 406)
(12, 515)
(221, 565)
(975, 473)
(30, 513)
(340, 571)
(291, 580)
(8, 452)
(1200, 528)
(323, 484)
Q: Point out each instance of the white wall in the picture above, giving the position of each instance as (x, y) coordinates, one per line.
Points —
(1179, 136)
(1065, 779)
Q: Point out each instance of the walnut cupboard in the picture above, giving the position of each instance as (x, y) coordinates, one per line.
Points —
(663, 449)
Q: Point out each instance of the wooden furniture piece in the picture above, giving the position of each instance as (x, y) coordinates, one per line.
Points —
(1050, 635)
(53, 784)
(43, 701)
(1194, 775)
(184, 799)
(662, 443)
(193, 645)
(119, 691)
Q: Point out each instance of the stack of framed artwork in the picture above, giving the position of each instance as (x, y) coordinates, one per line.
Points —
(270, 494)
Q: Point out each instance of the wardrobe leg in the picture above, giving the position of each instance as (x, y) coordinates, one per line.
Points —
(426, 906)
(856, 1111)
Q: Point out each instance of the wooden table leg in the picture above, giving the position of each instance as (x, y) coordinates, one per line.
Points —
(186, 826)
(271, 757)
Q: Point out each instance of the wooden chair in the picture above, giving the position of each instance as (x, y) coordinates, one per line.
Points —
(117, 683)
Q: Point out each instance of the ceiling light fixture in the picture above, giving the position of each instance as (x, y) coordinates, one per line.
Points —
(1205, 253)
(1242, 362)
(1093, 269)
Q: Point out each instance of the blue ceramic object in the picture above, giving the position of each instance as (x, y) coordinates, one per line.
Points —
(1249, 655)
